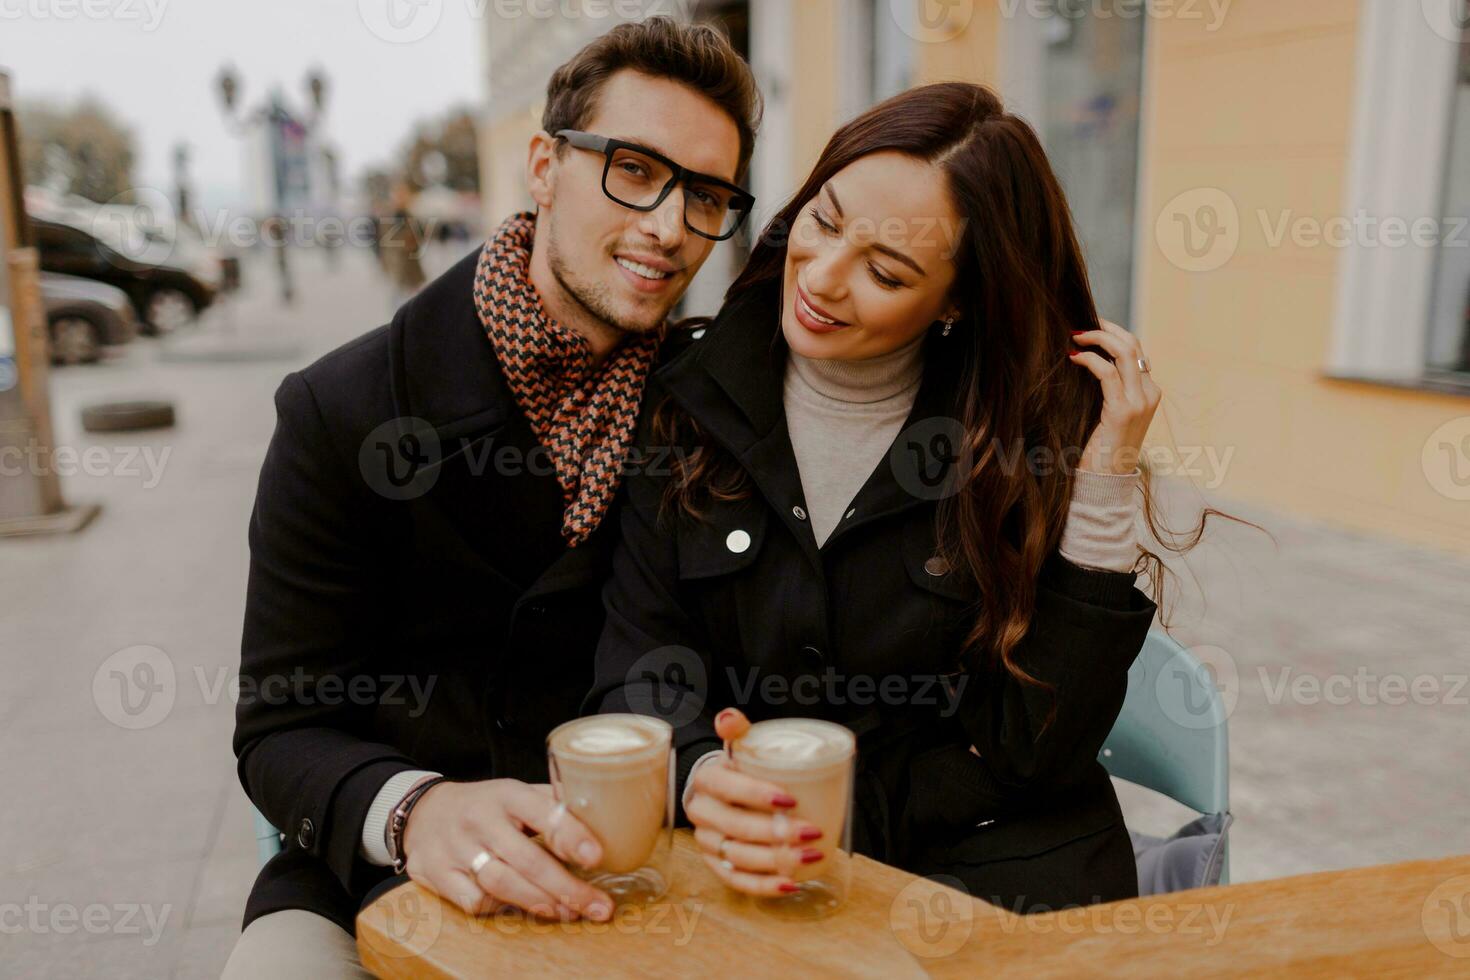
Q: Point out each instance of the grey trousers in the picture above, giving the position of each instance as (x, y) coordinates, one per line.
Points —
(294, 945)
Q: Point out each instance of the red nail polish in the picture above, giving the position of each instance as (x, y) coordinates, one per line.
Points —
(1074, 353)
(788, 887)
(811, 833)
(1076, 332)
(810, 855)
(783, 799)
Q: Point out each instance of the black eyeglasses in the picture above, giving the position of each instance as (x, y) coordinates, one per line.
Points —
(638, 178)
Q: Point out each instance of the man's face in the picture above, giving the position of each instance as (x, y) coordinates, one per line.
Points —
(624, 267)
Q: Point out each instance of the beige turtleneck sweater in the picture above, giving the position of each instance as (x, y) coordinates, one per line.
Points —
(844, 415)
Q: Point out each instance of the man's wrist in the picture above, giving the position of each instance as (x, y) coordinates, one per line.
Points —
(374, 846)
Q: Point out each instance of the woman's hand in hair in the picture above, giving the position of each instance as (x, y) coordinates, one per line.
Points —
(1130, 398)
(741, 826)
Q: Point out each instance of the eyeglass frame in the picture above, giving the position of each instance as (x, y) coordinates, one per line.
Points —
(607, 145)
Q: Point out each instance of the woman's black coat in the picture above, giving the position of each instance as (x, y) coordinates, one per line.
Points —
(864, 631)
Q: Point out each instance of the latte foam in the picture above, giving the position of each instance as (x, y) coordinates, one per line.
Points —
(797, 742)
(609, 736)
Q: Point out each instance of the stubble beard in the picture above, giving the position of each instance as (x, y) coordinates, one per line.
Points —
(593, 296)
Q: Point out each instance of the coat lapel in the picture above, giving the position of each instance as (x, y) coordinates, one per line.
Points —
(495, 499)
(731, 383)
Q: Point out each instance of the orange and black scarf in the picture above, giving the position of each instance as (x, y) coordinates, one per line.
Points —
(583, 414)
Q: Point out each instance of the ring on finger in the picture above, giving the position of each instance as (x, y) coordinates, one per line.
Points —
(554, 821)
(1143, 365)
(480, 861)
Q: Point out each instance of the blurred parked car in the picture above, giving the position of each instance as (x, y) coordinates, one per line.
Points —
(83, 316)
(164, 291)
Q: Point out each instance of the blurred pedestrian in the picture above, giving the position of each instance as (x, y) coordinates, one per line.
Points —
(400, 247)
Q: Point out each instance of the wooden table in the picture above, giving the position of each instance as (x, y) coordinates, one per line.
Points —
(1410, 919)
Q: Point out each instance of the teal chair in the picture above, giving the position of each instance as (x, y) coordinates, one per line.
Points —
(268, 839)
(1171, 736)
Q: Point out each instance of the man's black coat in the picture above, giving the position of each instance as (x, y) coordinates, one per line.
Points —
(411, 602)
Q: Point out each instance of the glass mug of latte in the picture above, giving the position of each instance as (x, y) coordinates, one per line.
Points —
(615, 773)
(813, 761)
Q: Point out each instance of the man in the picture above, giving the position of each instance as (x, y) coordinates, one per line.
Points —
(432, 526)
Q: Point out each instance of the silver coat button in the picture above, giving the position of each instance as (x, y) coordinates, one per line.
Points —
(738, 541)
(800, 514)
(937, 566)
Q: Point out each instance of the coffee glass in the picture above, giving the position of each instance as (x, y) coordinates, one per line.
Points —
(812, 761)
(615, 773)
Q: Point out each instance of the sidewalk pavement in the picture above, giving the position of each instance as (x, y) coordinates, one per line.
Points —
(127, 851)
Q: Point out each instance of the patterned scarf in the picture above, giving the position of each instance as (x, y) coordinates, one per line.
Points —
(583, 414)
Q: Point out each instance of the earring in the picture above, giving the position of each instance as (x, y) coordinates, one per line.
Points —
(948, 326)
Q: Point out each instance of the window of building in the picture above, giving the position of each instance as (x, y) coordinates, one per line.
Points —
(1402, 301)
(1449, 320)
(1078, 78)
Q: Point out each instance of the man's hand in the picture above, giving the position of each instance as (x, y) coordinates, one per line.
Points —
(451, 825)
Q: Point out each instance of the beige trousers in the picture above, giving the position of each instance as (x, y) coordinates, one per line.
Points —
(294, 945)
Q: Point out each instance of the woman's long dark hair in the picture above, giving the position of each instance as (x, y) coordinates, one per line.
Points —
(1022, 289)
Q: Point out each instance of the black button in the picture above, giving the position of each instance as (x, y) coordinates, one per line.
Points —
(811, 654)
(306, 834)
(502, 724)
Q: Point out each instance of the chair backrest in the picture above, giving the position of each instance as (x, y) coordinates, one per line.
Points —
(1171, 735)
(267, 837)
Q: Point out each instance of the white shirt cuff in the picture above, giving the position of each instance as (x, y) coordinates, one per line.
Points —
(374, 844)
(689, 783)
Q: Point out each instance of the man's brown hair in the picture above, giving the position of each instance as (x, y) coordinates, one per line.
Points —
(699, 55)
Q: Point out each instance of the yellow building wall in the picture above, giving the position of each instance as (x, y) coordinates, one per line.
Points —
(504, 142)
(1262, 110)
(965, 49)
(813, 83)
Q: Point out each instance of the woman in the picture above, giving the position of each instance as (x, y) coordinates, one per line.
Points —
(900, 499)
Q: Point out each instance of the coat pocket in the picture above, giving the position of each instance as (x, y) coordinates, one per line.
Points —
(727, 540)
(931, 571)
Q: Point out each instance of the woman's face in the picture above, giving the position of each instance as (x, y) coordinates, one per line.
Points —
(872, 252)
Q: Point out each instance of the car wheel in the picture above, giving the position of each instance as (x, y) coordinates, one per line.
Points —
(169, 309)
(127, 416)
(75, 340)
